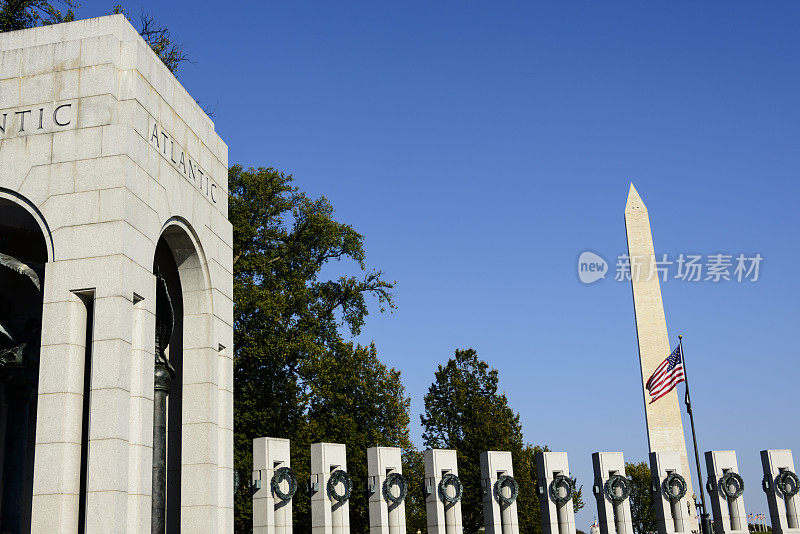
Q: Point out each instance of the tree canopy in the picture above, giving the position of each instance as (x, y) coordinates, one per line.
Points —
(465, 411)
(643, 514)
(295, 373)
(21, 14)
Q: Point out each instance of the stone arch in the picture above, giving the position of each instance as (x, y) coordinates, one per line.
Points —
(180, 257)
(24, 237)
(12, 197)
(191, 260)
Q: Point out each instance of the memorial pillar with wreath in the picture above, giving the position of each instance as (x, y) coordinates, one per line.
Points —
(330, 488)
(388, 489)
(781, 485)
(443, 491)
(273, 486)
(500, 491)
(726, 489)
(671, 493)
(555, 488)
(612, 490)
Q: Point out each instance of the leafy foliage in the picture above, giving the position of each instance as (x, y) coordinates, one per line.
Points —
(295, 376)
(463, 403)
(643, 512)
(528, 511)
(356, 400)
(414, 473)
(577, 497)
(465, 412)
(21, 14)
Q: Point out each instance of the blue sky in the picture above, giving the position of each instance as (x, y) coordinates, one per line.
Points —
(482, 146)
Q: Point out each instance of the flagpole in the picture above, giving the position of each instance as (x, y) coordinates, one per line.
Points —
(705, 521)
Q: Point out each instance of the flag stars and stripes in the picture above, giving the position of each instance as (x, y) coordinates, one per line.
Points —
(666, 376)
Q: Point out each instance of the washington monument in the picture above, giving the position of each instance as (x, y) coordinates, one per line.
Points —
(664, 426)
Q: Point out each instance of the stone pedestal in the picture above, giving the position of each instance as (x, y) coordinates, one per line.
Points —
(385, 516)
(673, 515)
(557, 517)
(729, 514)
(783, 509)
(499, 516)
(271, 514)
(444, 517)
(328, 515)
(614, 515)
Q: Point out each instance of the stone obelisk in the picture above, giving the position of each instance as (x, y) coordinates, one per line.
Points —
(664, 426)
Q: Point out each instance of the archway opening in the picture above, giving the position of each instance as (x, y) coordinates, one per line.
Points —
(23, 254)
(166, 267)
(180, 372)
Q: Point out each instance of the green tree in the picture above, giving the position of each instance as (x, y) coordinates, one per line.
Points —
(414, 473)
(21, 14)
(464, 411)
(529, 513)
(295, 376)
(354, 399)
(577, 497)
(643, 514)
(528, 506)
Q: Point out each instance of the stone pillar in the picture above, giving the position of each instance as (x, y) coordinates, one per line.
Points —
(673, 514)
(328, 514)
(444, 516)
(729, 514)
(271, 513)
(613, 506)
(783, 508)
(142, 409)
(499, 515)
(558, 514)
(385, 515)
(56, 480)
(59, 426)
(108, 458)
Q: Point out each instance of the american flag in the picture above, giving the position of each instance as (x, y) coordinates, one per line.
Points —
(666, 376)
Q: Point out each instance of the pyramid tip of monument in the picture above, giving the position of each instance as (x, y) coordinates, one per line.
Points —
(634, 200)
